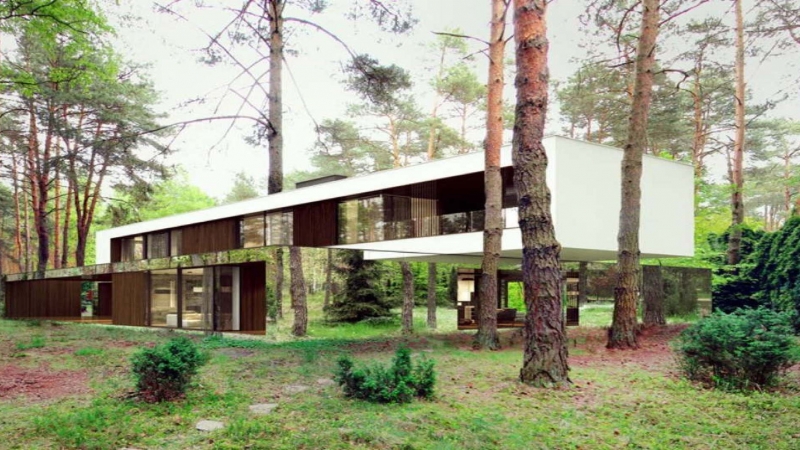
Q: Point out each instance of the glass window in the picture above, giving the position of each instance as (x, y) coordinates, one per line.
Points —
(198, 296)
(133, 248)
(348, 222)
(164, 298)
(175, 243)
(279, 228)
(157, 245)
(252, 231)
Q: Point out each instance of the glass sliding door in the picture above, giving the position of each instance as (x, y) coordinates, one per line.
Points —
(164, 298)
(226, 299)
(198, 295)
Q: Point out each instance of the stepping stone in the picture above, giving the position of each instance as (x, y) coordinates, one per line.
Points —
(209, 425)
(325, 382)
(263, 408)
(295, 388)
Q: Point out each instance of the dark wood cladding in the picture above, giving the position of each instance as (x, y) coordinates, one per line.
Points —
(104, 299)
(129, 295)
(215, 236)
(315, 224)
(252, 297)
(116, 250)
(43, 298)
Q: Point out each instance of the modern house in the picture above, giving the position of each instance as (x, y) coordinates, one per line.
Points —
(209, 268)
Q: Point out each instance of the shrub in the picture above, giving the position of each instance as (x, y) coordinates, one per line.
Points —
(748, 348)
(164, 371)
(398, 383)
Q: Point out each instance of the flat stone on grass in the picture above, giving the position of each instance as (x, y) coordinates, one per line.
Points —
(295, 388)
(263, 408)
(209, 425)
(325, 382)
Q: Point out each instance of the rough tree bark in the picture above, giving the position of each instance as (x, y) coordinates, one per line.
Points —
(408, 298)
(545, 355)
(486, 337)
(432, 295)
(298, 291)
(622, 333)
(737, 203)
(275, 135)
(653, 296)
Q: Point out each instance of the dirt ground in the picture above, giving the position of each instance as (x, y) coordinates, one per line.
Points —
(41, 383)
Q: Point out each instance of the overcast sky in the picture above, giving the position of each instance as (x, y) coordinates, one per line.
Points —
(312, 83)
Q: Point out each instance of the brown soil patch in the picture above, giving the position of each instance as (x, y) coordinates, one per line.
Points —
(654, 352)
(41, 383)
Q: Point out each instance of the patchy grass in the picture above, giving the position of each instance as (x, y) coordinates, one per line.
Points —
(618, 400)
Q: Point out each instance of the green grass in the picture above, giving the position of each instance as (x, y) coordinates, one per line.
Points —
(478, 404)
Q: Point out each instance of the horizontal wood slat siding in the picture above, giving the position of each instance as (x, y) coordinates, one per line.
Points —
(129, 294)
(315, 224)
(252, 297)
(206, 237)
(43, 298)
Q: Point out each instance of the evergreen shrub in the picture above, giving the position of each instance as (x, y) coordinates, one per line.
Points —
(399, 383)
(748, 348)
(362, 295)
(164, 372)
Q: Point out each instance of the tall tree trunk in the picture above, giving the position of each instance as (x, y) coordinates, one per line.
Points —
(653, 296)
(328, 280)
(18, 218)
(486, 337)
(298, 291)
(737, 203)
(27, 229)
(279, 269)
(275, 137)
(545, 356)
(583, 283)
(432, 282)
(65, 230)
(57, 214)
(626, 292)
(408, 298)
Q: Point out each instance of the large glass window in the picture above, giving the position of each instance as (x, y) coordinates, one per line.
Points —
(164, 298)
(198, 295)
(252, 231)
(280, 228)
(132, 248)
(157, 245)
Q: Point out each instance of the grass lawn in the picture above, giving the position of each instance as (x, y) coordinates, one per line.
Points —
(69, 385)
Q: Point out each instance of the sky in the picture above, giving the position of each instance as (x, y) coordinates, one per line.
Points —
(212, 153)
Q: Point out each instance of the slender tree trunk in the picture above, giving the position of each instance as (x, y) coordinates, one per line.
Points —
(545, 356)
(699, 137)
(626, 292)
(298, 291)
(583, 282)
(17, 216)
(27, 229)
(65, 230)
(432, 282)
(408, 298)
(279, 282)
(737, 203)
(57, 214)
(486, 337)
(328, 280)
(653, 296)
(275, 137)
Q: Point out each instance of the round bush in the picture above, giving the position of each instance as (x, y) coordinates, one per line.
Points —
(748, 348)
(164, 371)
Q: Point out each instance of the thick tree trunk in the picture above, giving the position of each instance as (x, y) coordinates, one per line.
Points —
(279, 282)
(80, 248)
(298, 292)
(737, 203)
(486, 337)
(432, 295)
(653, 296)
(622, 333)
(408, 298)
(545, 355)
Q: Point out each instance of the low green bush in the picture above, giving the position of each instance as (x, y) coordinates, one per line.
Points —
(399, 383)
(748, 348)
(164, 372)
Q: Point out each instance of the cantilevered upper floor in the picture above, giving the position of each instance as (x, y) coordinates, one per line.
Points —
(433, 211)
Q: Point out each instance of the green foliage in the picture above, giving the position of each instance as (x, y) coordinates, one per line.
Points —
(399, 383)
(35, 342)
(88, 351)
(748, 348)
(244, 188)
(362, 295)
(163, 372)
